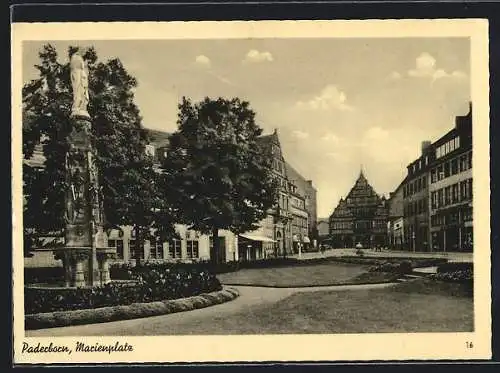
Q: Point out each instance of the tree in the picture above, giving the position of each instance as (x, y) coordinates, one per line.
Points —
(214, 166)
(126, 176)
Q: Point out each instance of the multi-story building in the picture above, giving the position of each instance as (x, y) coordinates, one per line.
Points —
(450, 188)
(300, 220)
(305, 189)
(416, 201)
(359, 218)
(395, 224)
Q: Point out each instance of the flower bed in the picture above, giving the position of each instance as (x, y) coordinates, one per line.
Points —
(455, 272)
(146, 284)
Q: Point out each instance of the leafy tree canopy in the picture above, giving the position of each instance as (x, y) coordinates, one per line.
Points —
(214, 163)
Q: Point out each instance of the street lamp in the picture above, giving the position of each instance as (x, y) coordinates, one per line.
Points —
(413, 237)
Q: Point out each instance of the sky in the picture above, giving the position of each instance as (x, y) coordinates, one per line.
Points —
(339, 104)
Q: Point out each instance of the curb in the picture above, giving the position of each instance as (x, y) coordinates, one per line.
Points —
(311, 286)
(132, 311)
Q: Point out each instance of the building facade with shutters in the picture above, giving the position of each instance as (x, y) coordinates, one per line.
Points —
(360, 218)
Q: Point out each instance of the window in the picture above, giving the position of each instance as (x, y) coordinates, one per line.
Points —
(446, 148)
(452, 145)
(156, 251)
(464, 193)
(192, 249)
(454, 193)
(433, 175)
(446, 169)
(469, 185)
(433, 200)
(440, 197)
(440, 172)
(447, 195)
(463, 163)
(118, 245)
(457, 142)
(426, 160)
(469, 160)
(134, 250)
(454, 166)
(174, 249)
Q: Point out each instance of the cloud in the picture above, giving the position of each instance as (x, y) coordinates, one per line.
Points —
(395, 75)
(329, 98)
(331, 137)
(376, 133)
(254, 56)
(425, 67)
(300, 134)
(203, 61)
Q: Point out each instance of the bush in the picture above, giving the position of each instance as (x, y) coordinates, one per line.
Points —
(360, 252)
(455, 272)
(38, 275)
(146, 284)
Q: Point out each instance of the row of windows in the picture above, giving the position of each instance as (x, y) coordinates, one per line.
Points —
(419, 165)
(448, 147)
(416, 207)
(453, 218)
(342, 225)
(452, 194)
(299, 221)
(363, 200)
(298, 203)
(415, 186)
(156, 250)
(452, 167)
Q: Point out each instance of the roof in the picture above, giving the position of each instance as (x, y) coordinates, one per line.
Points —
(158, 138)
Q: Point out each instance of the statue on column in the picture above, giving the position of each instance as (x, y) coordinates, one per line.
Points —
(79, 83)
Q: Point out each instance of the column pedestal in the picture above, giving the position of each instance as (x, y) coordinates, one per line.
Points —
(103, 256)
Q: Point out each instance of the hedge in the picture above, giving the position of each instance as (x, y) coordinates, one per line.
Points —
(126, 312)
(144, 285)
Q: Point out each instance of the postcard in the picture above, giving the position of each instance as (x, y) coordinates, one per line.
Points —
(265, 191)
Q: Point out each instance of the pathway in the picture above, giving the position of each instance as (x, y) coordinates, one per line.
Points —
(451, 256)
(167, 324)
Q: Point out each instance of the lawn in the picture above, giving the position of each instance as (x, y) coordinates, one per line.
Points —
(295, 276)
(402, 309)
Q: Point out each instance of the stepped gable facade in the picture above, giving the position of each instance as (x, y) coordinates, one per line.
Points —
(361, 217)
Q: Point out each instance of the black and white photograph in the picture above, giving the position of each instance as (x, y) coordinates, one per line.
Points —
(275, 189)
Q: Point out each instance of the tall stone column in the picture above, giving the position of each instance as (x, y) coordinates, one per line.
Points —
(83, 210)
(78, 232)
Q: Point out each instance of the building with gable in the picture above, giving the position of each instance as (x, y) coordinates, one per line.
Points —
(361, 218)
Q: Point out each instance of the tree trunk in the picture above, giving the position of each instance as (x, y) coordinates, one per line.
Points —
(214, 254)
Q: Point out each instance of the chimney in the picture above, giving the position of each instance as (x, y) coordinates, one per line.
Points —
(425, 145)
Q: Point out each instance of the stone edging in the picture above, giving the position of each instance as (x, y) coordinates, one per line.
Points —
(132, 311)
(313, 286)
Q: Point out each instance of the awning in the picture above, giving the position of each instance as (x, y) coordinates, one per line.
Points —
(305, 239)
(257, 238)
